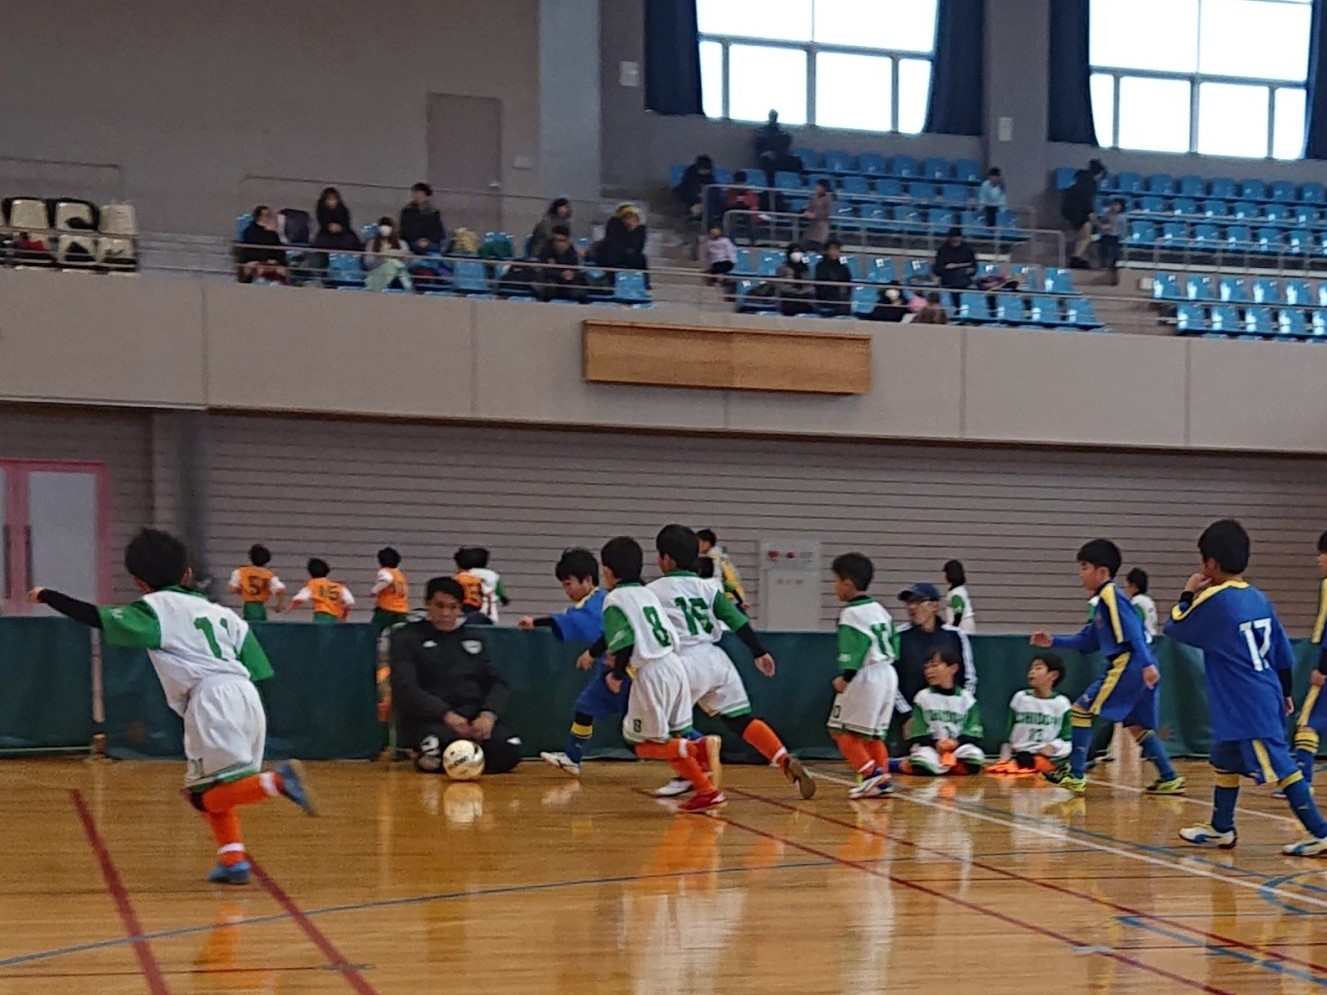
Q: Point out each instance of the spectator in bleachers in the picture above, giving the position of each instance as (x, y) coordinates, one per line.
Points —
(795, 292)
(819, 211)
(560, 275)
(623, 244)
(1078, 206)
(262, 255)
(833, 279)
(334, 230)
(933, 313)
(891, 307)
(774, 149)
(955, 263)
(1114, 228)
(720, 257)
(421, 223)
(741, 198)
(694, 187)
(385, 259)
(559, 213)
(991, 196)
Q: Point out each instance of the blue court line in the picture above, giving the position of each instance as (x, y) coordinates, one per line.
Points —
(1242, 956)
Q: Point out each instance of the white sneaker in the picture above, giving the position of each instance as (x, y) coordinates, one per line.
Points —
(676, 787)
(562, 762)
(1311, 847)
(877, 786)
(1204, 835)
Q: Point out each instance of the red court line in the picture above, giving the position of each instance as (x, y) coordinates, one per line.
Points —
(1217, 938)
(970, 906)
(147, 962)
(335, 960)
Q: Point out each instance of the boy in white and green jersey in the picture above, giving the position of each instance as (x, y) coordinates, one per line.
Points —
(643, 645)
(944, 734)
(867, 682)
(1039, 726)
(207, 660)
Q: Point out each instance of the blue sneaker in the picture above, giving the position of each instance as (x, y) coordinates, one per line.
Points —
(295, 786)
(232, 874)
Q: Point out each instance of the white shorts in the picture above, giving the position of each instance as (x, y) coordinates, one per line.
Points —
(716, 686)
(928, 759)
(867, 704)
(225, 731)
(659, 706)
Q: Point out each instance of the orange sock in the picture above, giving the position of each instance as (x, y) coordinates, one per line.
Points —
(764, 739)
(855, 752)
(245, 791)
(679, 757)
(226, 831)
(879, 753)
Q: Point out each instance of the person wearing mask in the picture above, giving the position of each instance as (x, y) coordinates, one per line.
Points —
(421, 226)
(833, 281)
(955, 262)
(385, 259)
(918, 640)
(560, 272)
(623, 244)
(558, 214)
(1079, 206)
(818, 212)
(794, 282)
(991, 196)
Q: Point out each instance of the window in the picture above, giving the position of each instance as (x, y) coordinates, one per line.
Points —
(860, 65)
(1217, 77)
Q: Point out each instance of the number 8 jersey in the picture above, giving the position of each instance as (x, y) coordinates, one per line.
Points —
(634, 617)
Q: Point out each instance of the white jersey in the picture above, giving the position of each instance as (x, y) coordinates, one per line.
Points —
(188, 639)
(944, 715)
(958, 605)
(697, 607)
(633, 616)
(866, 635)
(1036, 722)
(1147, 611)
(490, 583)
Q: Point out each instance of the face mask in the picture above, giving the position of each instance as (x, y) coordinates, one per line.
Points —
(384, 230)
(796, 257)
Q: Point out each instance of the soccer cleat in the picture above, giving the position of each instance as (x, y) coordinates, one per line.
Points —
(295, 786)
(1174, 786)
(878, 785)
(230, 873)
(562, 762)
(1311, 847)
(677, 786)
(707, 802)
(795, 771)
(1204, 835)
(1063, 777)
(713, 764)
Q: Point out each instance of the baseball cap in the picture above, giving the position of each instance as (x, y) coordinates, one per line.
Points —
(919, 592)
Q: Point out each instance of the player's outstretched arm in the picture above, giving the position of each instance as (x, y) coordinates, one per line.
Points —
(79, 611)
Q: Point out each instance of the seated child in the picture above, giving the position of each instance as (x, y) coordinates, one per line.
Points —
(1039, 728)
(944, 733)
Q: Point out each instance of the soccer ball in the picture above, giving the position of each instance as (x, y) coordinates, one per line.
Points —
(463, 760)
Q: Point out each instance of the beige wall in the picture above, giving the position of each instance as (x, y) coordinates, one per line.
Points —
(160, 342)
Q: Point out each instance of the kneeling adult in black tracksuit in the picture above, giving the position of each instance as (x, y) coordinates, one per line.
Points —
(446, 688)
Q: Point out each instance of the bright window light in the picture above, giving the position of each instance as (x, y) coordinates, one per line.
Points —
(1221, 104)
(1154, 114)
(853, 91)
(762, 79)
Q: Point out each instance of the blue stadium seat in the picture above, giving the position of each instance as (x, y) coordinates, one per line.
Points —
(1064, 177)
(469, 276)
(1277, 212)
(1174, 235)
(967, 171)
(675, 173)
(1291, 324)
(921, 190)
(722, 175)
(785, 179)
(871, 163)
(1253, 190)
(1281, 190)
(856, 186)
(1199, 288)
(903, 166)
(955, 193)
(1268, 241)
(770, 261)
(1312, 193)
(908, 219)
(1246, 211)
(1214, 208)
(1057, 281)
(1298, 242)
(1011, 230)
(1186, 206)
(345, 269)
(744, 263)
(1080, 312)
(974, 224)
(973, 308)
(747, 302)
(811, 159)
(864, 301)
(629, 288)
(1295, 293)
(1264, 291)
(1028, 276)
(1239, 238)
(1130, 183)
(1160, 183)
(1258, 321)
(854, 264)
(1318, 326)
(1192, 186)
(838, 161)
(1307, 215)
(1045, 311)
(1142, 235)
(1010, 310)
(889, 186)
(917, 270)
(1221, 187)
(1190, 320)
(1206, 238)
(877, 217)
(881, 270)
(1232, 290)
(1224, 319)
(1151, 204)
(939, 220)
(1166, 287)
(935, 168)
(812, 260)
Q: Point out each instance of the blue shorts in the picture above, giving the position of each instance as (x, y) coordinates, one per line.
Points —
(1267, 761)
(1119, 695)
(597, 701)
(1313, 713)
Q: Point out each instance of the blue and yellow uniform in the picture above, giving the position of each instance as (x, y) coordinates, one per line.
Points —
(1312, 719)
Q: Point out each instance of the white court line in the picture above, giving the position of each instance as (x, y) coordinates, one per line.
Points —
(1205, 804)
(1293, 898)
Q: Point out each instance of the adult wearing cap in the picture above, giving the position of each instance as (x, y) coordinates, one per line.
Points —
(923, 634)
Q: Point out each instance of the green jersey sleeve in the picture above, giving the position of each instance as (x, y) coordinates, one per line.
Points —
(1067, 726)
(501, 589)
(918, 724)
(854, 645)
(618, 634)
(134, 626)
(255, 660)
(956, 602)
(728, 613)
(972, 723)
(1013, 721)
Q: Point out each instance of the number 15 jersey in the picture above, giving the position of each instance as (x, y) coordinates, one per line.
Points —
(697, 607)
(1244, 650)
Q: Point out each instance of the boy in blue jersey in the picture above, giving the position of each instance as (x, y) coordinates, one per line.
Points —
(578, 573)
(1127, 692)
(1248, 660)
(1312, 719)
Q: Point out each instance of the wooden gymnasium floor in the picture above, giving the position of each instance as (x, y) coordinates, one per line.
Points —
(533, 883)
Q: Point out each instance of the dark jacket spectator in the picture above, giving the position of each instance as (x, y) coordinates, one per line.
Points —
(1079, 206)
(334, 227)
(559, 213)
(623, 244)
(560, 273)
(925, 634)
(261, 252)
(955, 262)
(691, 190)
(421, 224)
(773, 148)
(832, 280)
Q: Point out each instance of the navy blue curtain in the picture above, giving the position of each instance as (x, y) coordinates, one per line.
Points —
(672, 57)
(1315, 127)
(957, 106)
(1070, 91)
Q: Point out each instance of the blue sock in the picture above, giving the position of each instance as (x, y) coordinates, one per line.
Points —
(1223, 808)
(694, 734)
(582, 728)
(1082, 741)
(1304, 759)
(1301, 803)
(1154, 750)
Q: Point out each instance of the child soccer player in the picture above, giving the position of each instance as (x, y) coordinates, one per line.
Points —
(578, 573)
(944, 734)
(256, 586)
(484, 590)
(1248, 661)
(867, 682)
(1039, 729)
(1127, 691)
(1135, 585)
(699, 610)
(391, 591)
(330, 599)
(207, 660)
(639, 635)
(1312, 718)
(958, 606)
(724, 569)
